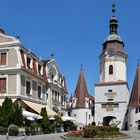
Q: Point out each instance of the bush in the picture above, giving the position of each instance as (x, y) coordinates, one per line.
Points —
(100, 131)
(3, 130)
(68, 125)
(13, 130)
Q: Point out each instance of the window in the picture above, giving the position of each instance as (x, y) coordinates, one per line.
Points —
(3, 59)
(39, 69)
(39, 92)
(52, 76)
(89, 116)
(28, 62)
(136, 111)
(52, 94)
(55, 95)
(2, 85)
(28, 87)
(110, 69)
(110, 90)
(109, 99)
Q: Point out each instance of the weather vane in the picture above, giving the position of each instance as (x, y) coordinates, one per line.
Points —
(113, 8)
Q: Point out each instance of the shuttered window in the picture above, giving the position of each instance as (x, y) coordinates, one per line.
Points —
(2, 85)
(39, 92)
(28, 87)
(3, 58)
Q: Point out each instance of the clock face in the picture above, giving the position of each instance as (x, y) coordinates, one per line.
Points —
(110, 54)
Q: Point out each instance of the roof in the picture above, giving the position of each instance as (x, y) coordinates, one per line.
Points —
(81, 90)
(112, 37)
(110, 82)
(135, 93)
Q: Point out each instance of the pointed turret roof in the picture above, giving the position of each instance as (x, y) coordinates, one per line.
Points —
(81, 90)
(135, 93)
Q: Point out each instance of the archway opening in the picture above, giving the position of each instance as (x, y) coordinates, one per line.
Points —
(107, 120)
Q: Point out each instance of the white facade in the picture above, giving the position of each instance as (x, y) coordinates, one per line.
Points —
(82, 116)
(111, 100)
(26, 76)
(56, 90)
(133, 118)
(118, 62)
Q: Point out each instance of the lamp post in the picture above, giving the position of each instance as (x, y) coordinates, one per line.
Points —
(86, 118)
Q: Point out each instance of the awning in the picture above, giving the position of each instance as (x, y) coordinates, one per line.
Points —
(30, 115)
(37, 107)
(67, 118)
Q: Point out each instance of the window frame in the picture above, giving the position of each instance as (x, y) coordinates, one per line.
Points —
(3, 92)
(30, 87)
(6, 58)
(39, 86)
(110, 69)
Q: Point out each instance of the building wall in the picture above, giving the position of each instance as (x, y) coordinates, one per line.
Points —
(12, 58)
(12, 82)
(118, 95)
(133, 118)
(34, 87)
(119, 69)
(80, 116)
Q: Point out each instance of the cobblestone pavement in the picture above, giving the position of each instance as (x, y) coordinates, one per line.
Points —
(133, 135)
(54, 136)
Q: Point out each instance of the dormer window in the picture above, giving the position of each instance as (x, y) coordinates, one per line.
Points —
(110, 69)
(39, 69)
(28, 62)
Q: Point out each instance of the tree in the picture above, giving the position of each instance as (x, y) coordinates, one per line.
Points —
(6, 112)
(45, 120)
(58, 120)
(17, 115)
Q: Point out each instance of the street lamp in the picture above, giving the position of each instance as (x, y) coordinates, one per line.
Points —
(86, 118)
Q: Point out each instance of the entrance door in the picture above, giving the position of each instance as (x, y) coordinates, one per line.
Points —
(107, 119)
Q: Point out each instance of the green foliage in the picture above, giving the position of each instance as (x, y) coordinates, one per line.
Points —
(10, 114)
(17, 115)
(58, 120)
(13, 130)
(100, 131)
(68, 125)
(6, 112)
(45, 121)
(3, 130)
(34, 125)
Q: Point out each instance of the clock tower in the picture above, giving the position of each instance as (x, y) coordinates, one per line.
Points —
(111, 92)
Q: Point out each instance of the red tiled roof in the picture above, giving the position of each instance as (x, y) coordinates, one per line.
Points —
(135, 93)
(110, 82)
(81, 91)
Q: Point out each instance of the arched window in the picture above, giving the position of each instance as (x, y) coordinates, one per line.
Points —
(110, 69)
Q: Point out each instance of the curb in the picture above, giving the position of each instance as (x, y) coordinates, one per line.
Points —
(64, 137)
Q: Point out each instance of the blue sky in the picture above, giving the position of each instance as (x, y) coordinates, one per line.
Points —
(74, 31)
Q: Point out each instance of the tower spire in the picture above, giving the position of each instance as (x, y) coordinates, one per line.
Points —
(113, 9)
(138, 63)
(81, 67)
(113, 21)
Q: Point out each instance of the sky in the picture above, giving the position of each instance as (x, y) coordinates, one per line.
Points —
(74, 30)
